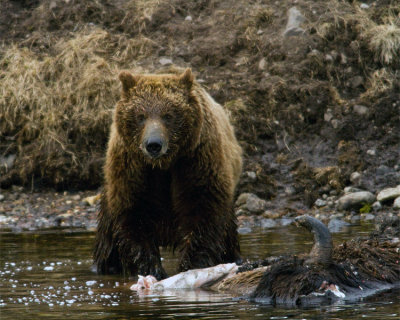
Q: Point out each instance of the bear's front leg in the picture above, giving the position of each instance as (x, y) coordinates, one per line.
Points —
(138, 249)
(206, 222)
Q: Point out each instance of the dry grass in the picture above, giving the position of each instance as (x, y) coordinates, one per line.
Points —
(380, 81)
(384, 41)
(130, 14)
(139, 13)
(56, 94)
(57, 108)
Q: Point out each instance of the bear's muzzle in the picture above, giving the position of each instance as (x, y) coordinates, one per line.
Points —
(154, 142)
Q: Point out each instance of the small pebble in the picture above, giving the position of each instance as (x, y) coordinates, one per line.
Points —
(376, 206)
(320, 203)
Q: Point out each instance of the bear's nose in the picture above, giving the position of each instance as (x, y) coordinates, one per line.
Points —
(154, 146)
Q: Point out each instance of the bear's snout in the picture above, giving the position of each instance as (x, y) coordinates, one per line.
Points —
(155, 143)
(154, 146)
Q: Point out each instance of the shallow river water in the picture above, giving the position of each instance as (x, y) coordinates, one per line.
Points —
(47, 275)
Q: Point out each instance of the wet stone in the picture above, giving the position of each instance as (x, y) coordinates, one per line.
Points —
(388, 194)
(320, 203)
(285, 221)
(355, 178)
(251, 175)
(396, 203)
(368, 217)
(351, 190)
(244, 230)
(242, 199)
(252, 203)
(376, 206)
(76, 197)
(270, 214)
(267, 223)
(382, 170)
(355, 200)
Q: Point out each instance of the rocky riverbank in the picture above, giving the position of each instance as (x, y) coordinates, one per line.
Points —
(350, 206)
(313, 90)
(22, 210)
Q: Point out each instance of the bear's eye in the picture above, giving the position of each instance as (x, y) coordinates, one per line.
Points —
(167, 117)
(141, 117)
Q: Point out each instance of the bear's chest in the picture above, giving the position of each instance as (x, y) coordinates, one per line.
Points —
(157, 190)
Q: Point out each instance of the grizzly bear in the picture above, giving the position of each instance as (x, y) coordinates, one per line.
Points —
(171, 169)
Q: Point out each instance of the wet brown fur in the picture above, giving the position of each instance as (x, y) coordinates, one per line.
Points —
(242, 283)
(357, 265)
(182, 199)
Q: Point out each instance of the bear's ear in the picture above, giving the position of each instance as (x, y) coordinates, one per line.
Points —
(128, 81)
(187, 77)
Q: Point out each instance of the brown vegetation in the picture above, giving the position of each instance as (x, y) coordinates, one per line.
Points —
(287, 96)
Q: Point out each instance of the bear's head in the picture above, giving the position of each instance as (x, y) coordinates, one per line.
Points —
(159, 116)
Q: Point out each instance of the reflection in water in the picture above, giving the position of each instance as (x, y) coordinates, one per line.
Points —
(47, 275)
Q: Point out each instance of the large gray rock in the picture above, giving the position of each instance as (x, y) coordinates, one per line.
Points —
(388, 193)
(295, 19)
(355, 200)
(252, 203)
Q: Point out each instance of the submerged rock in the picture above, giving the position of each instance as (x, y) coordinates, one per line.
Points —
(368, 216)
(337, 225)
(355, 200)
(267, 223)
(244, 230)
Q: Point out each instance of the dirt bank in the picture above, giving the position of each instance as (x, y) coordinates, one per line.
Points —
(312, 102)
